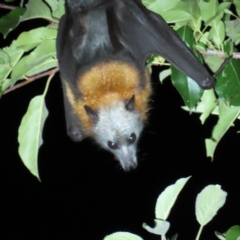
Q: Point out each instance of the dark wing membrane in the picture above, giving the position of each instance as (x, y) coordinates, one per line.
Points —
(68, 69)
(69, 41)
(147, 33)
(65, 57)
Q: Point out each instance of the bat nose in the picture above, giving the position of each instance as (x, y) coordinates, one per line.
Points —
(131, 166)
(127, 159)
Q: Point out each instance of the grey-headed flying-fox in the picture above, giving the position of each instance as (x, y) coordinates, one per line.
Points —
(102, 46)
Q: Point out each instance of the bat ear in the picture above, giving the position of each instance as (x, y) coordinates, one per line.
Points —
(130, 105)
(93, 114)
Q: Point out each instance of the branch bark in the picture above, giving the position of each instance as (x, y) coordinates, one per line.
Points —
(5, 6)
(210, 52)
(31, 79)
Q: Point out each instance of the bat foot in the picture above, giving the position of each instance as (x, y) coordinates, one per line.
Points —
(75, 134)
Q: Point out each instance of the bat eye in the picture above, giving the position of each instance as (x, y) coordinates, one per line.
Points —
(112, 145)
(132, 138)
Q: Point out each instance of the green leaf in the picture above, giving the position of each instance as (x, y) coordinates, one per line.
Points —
(228, 48)
(146, 3)
(9, 56)
(201, 46)
(220, 236)
(216, 12)
(233, 30)
(237, 5)
(167, 198)
(161, 227)
(213, 62)
(206, 106)
(217, 33)
(221, 10)
(163, 6)
(210, 147)
(37, 9)
(188, 89)
(208, 10)
(208, 202)
(204, 38)
(212, 13)
(227, 116)
(228, 13)
(30, 133)
(4, 59)
(191, 7)
(57, 7)
(174, 16)
(228, 83)
(174, 237)
(43, 66)
(233, 233)
(29, 40)
(1, 91)
(122, 235)
(164, 74)
(10, 21)
(236, 39)
(155, 60)
(5, 68)
(200, 110)
(29, 63)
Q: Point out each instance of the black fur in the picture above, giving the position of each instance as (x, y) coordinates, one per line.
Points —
(92, 31)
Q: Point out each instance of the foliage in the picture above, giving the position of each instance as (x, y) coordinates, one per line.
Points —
(210, 26)
(208, 202)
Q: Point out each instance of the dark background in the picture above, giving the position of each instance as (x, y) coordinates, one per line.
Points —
(85, 195)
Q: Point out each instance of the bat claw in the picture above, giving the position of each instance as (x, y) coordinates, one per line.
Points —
(75, 134)
(208, 83)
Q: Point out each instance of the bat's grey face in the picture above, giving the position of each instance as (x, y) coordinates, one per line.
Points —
(117, 129)
(125, 151)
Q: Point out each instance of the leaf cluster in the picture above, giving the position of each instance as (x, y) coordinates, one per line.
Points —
(207, 204)
(212, 28)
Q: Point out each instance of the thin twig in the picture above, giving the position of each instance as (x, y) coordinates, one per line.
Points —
(5, 6)
(31, 79)
(53, 21)
(210, 52)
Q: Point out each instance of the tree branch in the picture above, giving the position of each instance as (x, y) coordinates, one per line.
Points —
(31, 79)
(210, 52)
(5, 6)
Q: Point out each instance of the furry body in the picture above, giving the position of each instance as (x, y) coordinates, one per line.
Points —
(100, 91)
(102, 46)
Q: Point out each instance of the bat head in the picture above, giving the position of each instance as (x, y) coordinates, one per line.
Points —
(117, 129)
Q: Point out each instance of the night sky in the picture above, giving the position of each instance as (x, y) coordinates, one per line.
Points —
(84, 194)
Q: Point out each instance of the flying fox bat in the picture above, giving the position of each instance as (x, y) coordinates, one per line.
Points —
(102, 46)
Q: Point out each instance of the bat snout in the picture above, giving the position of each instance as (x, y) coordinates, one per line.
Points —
(127, 158)
(129, 166)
